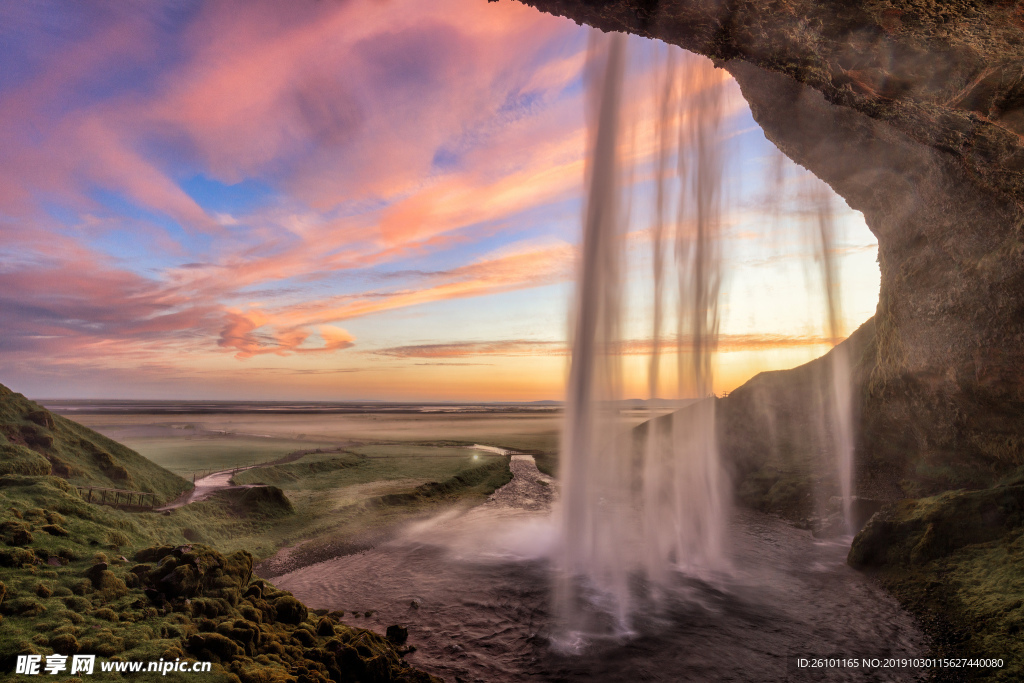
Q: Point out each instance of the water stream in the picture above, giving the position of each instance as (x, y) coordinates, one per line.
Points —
(473, 588)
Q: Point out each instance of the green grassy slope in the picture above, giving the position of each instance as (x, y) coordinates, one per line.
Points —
(69, 587)
(34, 441)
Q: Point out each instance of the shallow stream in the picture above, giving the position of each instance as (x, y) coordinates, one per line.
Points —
(473, 588)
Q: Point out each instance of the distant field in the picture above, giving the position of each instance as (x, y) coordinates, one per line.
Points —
(186, 443)
(188, 447)
(388, 450)
(372, 456)
(186, 456)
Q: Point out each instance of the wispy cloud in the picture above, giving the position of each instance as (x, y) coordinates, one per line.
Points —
(632, 347)
(504, 347)
(378, 136)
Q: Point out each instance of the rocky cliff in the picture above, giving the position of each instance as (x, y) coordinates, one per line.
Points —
(913, 112)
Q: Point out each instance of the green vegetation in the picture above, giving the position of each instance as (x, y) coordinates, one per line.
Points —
(187, 442)
(450, 449)
(68, 586)
(67, 590)
(955, 561)
(180, 602)
(34, 441)
(346, 502)
(298, 473)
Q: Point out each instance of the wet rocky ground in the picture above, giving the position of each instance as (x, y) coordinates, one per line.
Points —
(473, 589)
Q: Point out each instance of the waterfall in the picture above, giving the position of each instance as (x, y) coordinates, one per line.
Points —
(648, 509)
(641, 507)
(814, 202)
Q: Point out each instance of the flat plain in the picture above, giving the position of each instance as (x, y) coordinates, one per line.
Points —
(360, 474)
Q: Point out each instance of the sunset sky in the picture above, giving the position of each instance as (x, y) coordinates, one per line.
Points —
(332, 200)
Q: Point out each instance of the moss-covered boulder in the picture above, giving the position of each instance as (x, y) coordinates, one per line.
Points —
(259, 501)
(190, 571)
(289, 610)
(213, 647)
(913, 532)
(64, 644)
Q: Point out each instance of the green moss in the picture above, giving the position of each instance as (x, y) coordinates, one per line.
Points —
(260, 501)
(918, 531)
(105, 613)
(18, 459)
(957, 561)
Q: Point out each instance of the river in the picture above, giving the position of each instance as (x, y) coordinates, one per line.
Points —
(473, 589)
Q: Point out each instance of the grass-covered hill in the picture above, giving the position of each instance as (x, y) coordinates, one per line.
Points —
(34, 441)
(81, 578)
(77, 577)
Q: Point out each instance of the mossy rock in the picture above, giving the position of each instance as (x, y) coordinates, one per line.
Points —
(289, 610)
(64, 644)
(245, 633)
(213, 647)
(22, 607)
(106, 614)
(193, 570)
(16, 557)
(56, 530)
(16, 533)
(325, 627)
(913, 532)
(77, 603)
(260, 501)
(397, 634)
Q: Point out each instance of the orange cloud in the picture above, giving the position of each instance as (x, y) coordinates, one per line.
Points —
(240, 332)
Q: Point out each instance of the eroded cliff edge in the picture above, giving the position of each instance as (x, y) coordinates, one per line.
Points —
(913, 112)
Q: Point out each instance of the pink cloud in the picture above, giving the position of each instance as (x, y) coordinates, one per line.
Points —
(333, 104)
(240, 333)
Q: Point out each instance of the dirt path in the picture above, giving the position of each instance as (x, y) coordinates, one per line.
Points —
(206, 486)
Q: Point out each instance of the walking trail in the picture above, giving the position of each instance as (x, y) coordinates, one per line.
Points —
(218, 481)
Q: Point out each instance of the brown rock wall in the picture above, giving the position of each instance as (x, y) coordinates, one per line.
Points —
(913, 111)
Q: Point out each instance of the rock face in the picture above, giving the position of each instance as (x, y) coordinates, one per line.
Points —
(913, 112)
